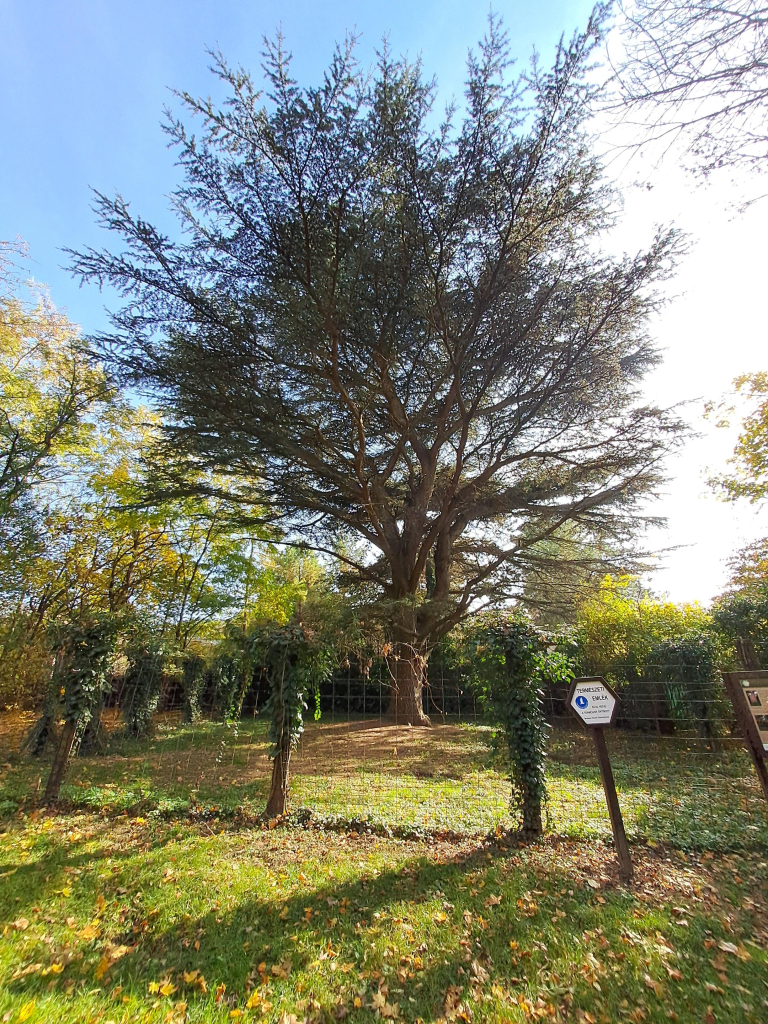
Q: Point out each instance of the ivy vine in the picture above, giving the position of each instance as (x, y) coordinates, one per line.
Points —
(508, 665)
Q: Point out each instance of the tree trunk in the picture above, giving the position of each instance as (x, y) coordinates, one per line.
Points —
(277, 803)
(60, 761)
(532, 825)
(747, 655)
(406, 705)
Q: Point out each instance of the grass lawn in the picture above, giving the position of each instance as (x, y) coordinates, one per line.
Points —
(130, 919)
(157, 894)
(426, 782)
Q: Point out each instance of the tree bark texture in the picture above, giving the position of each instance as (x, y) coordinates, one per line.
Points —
(60, 761)
(406, 704)
(277, 804)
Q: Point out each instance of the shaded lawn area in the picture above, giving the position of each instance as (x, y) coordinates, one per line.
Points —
(128, 919)
(443, 780)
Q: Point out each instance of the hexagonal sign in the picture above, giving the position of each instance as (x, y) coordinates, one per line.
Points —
(593, 700)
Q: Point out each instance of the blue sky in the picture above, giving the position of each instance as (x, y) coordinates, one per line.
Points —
(83, 84)
(82, 87)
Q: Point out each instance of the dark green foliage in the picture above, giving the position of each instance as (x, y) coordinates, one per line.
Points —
(743, 621)
(230, 679)
(688, 668)
(141, 687)
(86, 645)
(45, 731)
(193, 683)
(509, 664)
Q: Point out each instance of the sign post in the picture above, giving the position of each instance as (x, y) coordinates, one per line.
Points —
(748, 691)
(595, 703)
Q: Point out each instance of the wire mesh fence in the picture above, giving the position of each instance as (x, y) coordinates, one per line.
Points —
(681, 768)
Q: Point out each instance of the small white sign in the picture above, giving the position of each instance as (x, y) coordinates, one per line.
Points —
(593, 702)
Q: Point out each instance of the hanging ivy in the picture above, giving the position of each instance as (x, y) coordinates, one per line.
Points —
(508, 664)
(296, 663)
(193, 679)
(141, 686)
(85, 646)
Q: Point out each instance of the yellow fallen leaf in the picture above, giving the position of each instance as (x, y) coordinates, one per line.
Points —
(102, 968)
(167, 989)
(56, 968)
(190, 976)
(235, 1014)
(154, 987)
(26, 1011)
(253, 1000)
(440, 917)
(89, 932)
(283, 915)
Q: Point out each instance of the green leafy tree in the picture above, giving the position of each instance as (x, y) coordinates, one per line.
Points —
(49, 386)
(619, 628)
(749, 478)
(402, 329)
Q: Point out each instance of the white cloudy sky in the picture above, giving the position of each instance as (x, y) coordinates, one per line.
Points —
(713, 329)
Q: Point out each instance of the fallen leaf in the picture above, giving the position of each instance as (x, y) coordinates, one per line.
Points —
(102, 967)
(21, 924)
(26, 1011)
(378, 1000)
(452, 1007)
(167, 989)
(253, 1000)
(673, 972)
(653, 984)
(734, 950)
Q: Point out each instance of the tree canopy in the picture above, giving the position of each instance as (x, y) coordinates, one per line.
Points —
(401, 326)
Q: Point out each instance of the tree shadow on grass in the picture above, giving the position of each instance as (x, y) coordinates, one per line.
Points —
(462, 939)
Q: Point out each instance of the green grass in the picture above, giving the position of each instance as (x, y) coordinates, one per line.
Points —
(107, 919)
(157, 868)
(447, 779)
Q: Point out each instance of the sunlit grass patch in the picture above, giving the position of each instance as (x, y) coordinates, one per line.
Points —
(133, 919)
